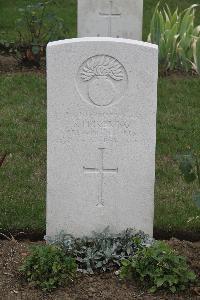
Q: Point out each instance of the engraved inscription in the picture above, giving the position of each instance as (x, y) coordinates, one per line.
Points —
(102, 80)
(100, 172)
(109, 15)
(102, 127)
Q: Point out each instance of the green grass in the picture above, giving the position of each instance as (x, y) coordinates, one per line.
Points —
(23, 135)
(67, 10)
(178, 130)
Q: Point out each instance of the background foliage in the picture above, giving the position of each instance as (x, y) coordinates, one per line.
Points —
(178, 38)
(38, 24)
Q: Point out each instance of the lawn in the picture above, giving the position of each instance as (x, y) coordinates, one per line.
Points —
(23, 137)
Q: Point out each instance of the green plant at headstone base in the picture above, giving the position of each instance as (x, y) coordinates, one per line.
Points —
(189, 165)
(176, 34)
(102, 251)
(37, 26)
(48, 267)
(159, 267)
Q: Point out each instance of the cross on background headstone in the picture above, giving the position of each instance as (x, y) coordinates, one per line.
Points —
(110, 15)
(100, 171)
(110, 18)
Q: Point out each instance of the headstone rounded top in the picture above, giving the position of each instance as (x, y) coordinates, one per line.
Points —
(102, 39)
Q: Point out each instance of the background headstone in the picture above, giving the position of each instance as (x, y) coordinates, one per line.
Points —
(102, 99)
(106, 18)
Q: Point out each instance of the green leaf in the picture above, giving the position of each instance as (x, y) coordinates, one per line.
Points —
(173, 289)
(35, 50)
(125, 262)
(196, 199)
(187, 167)
(160, 281)
(196, 52)
(190, 177)
(152, 289)
(192, 276)
(99, 264)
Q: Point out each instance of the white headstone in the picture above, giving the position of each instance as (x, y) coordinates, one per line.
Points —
(102, 99)
(105, 18)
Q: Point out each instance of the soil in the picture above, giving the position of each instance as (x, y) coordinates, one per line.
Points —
(104, 286)
(9, 64)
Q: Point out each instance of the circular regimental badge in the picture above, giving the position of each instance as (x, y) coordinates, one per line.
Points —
(102, 80)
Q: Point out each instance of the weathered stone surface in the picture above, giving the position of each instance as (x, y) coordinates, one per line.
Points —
(105, 18)
(102, 99)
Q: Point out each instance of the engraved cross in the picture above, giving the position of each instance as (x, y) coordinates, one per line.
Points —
(101, 172)
(110, 15)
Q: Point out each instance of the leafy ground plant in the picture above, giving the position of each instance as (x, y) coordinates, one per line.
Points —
(102, 251)
(160, 267)
(177, 37)
(37, 26)
(189, 166)
(48, 267)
